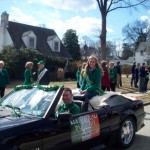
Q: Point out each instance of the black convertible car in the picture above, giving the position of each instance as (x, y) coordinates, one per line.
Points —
(28, 120)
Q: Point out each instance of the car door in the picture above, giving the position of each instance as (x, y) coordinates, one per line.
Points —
(56, 135)
(120, 108)
(23, 136)
(90, 128)
(73, 131)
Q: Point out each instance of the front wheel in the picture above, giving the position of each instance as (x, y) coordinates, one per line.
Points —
(126, 133)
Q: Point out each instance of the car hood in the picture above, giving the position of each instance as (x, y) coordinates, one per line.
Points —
(9, 121)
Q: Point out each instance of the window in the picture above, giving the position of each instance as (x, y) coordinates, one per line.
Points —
(142, 53)
(56, 46)
(31, 42)
(54, 43)
(148, 62)
(29, 39)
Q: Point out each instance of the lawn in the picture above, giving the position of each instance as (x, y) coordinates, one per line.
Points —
(72, 84)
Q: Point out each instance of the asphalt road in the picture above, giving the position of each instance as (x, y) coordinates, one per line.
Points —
(142, 138)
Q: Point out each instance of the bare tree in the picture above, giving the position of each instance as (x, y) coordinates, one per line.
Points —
(106, 6)
(111, 49)
(137, 32)
(127, 51)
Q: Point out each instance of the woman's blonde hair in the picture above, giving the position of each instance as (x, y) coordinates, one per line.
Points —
(111, 63)
(87, 64)
(83, 65)
(28, 64)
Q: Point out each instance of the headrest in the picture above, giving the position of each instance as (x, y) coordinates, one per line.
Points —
(81, 97)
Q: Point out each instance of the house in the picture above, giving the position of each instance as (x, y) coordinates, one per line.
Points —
(86, 52)
(128, 61)
(142, 54)
(41, 39)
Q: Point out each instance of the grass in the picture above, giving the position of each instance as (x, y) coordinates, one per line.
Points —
(126, 88)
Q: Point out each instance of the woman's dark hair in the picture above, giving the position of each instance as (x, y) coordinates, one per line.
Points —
(104, 63)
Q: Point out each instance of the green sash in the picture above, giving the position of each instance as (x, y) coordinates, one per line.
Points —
(98, 89)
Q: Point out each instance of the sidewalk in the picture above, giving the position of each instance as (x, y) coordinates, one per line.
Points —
(137, 94)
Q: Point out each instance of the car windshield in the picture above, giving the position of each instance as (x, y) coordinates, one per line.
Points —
(30, 101)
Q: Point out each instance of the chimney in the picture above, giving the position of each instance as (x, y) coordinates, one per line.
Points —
(4, 19)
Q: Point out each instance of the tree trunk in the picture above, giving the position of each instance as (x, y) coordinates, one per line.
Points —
(103, 36)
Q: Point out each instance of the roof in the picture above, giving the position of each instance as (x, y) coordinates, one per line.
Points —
(17, 30)
(51, 37)
(130, 59)
(144, 46)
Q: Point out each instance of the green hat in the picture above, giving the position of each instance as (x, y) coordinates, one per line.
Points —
(41, 62)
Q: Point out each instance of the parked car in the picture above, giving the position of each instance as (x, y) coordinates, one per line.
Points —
(28, 120)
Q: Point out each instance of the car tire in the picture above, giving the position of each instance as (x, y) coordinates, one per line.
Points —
(126, 133)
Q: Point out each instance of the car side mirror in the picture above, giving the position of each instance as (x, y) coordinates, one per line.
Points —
(64, 119)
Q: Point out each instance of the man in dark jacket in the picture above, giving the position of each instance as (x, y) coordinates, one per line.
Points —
(142, 87)
(4, 79)
(136, 75)
(119, 74)
(43, 74)
(133, 73)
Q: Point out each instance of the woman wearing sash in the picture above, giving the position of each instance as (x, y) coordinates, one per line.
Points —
(92, 78)
(43, 74)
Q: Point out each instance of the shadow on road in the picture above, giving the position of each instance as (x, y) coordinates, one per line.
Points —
(147, 113)
(140, 143)
(147, 116)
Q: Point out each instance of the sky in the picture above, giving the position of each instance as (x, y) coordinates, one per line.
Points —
(61, 15)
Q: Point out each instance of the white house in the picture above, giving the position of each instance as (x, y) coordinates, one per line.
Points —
(142, 54)
(41, 39)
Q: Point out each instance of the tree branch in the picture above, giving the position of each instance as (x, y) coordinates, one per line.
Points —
(128, 5)
(99, 5)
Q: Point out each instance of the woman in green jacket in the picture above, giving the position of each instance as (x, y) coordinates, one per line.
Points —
(113, 76)
(78, 76)
(28, 76)
(91, 84)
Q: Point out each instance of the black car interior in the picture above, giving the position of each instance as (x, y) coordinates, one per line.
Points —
(82, 101)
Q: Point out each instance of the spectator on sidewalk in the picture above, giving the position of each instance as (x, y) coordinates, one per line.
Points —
(147, 77)
(142, 73)
(113, 76)
(133, 73)
(43, 74)
(136, 75)
(4, 78)
(105, 82)
(78, 73)
(119, 74)
(28, 76)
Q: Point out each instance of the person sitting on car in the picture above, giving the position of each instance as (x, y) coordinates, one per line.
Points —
(68, 104)
(91, 84)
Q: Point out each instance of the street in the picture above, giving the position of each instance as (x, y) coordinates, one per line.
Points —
(142, 138)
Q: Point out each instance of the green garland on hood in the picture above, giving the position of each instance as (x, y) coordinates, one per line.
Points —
(49, 88)
(40, 87)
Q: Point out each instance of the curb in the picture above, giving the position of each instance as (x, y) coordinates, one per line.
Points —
(147, 104)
